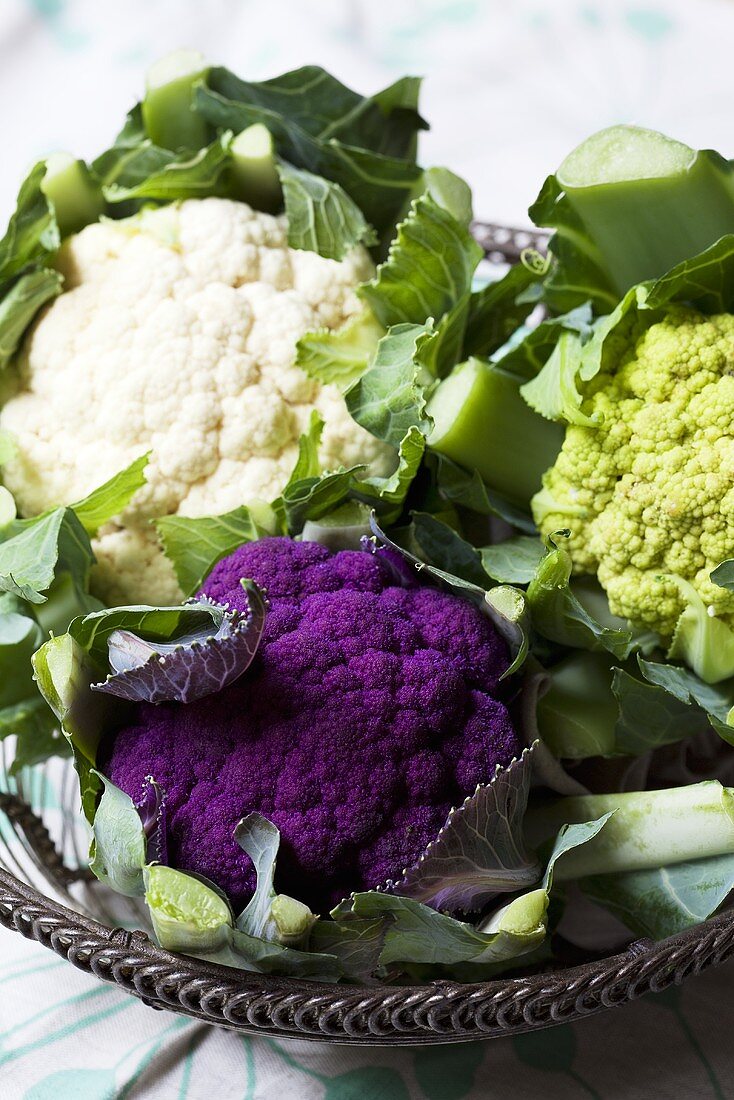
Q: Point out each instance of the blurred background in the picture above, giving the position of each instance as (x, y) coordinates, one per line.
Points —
(511, 85)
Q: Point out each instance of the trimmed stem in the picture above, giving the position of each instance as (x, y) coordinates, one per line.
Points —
(482, 423)
(254, 170)
(76, 198)
(168, 116)
(648, 829)
(646, 201)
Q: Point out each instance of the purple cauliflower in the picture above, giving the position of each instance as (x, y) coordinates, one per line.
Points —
(368, 712)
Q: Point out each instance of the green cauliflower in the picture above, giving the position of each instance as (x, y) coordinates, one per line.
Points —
(646, 484)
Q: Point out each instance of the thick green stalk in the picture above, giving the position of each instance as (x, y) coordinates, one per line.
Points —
(648, 829)
(482, 422)
(168, 117)
(646, 201)
(76, 197)
(254, 170)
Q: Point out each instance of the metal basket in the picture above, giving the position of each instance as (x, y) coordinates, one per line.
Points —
(48, 894)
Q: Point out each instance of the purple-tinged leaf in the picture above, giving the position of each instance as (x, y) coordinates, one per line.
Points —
(189, 667)
(402, 571)
(480, 851)
(151, 807)
(408, 568)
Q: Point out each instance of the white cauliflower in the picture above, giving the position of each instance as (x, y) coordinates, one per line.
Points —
(176, 333)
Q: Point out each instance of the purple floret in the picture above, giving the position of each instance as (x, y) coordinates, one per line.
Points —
(368, 712)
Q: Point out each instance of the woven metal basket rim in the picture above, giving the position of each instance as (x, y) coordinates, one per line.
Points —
(438, 1012)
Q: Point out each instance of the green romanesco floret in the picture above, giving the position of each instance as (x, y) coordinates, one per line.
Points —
(648, 492)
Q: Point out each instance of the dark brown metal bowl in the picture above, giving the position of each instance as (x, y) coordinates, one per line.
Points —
(47, 894)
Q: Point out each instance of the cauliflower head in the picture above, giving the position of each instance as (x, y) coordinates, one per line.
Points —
(370, 709)
(176, 333)
(648, 493)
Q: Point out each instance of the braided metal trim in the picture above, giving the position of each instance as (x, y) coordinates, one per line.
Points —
(502, 244)
(437, 1013)
(21, 816)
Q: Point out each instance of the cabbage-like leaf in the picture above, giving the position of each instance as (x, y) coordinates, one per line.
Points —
(723, 574)
(106, 502)
(428, 270)
(321, 216)
(192, 666)
(577, 356)
(703, 641)
(342, 529)
(570, 837)
(35, 552)
(37, 733)
(151, 808)
(558, 614)
(268, 957)
(418, 934)
(666, 900)
(497, 310)
(480, 852)
(449, 191)
(467, 489)
(514, 561)
(508, 610)
(20, 637)
(715, 700)
(441, 546)
(21, 304)
(340, 356)
(554, 393)
(119, 849)
(651, 716)
(64, 673)
(23, 713)
(705, 280)
(168, 177)
(548, 771)
(324, 137)
(527, 352)
(356, 943)
(32, 233)
(269, 916)
(132, 158)
(311, 498)
(38, 549)
(191, 915)
(406, 566)
(390, 492)
(194, 545)
(389, 398)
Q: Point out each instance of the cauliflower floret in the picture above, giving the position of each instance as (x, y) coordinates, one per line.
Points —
(648, 494)
(176, 333)
(371, 709)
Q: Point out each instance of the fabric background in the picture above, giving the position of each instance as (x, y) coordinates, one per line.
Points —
(511, 87)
